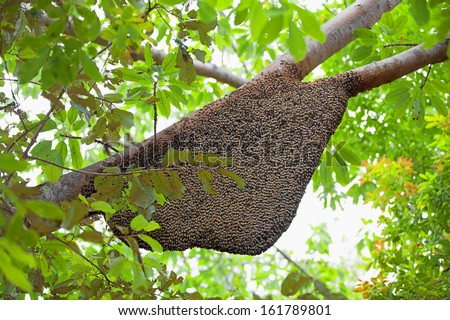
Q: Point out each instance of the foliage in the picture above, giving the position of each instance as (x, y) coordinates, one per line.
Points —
(412, 253)
(79, 81)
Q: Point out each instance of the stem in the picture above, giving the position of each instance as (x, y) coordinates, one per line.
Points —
(86, 259)
(38, 131)
(106, 144)
(105, 174)
(400, 45)
(319, 285)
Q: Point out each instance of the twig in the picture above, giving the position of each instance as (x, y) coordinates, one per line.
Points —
(426, 77)
(106, 144)
(17, 80)
(21, 136)
(86, 259)
(38, 131)
(319, 285)
(105, 174)
(284, 254)
(155, 115)
(170, 27)
(400, 45)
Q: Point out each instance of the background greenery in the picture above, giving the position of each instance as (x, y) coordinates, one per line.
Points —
(75, 64)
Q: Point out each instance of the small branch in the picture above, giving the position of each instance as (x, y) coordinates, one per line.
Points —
(163, 17)
(92, 173)
(319, 285)
(105, 144)
(38, 131)
(208, 70)
(155, 114)
(426, 77)
(86, 259)
(400, 45)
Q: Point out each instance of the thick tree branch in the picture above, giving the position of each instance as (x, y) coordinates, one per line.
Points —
(339, 32)
(381, 72)
(208, 70)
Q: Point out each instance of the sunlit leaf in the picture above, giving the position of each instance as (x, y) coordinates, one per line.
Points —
(152, 242)
(45, 209)
(293, 282)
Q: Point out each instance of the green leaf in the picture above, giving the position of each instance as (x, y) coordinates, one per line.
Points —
(42, 149)
(138, 223)
(199, 54)
(170, 157)
(17, 253)
(361, 53)
(45, 209)
(293, 282)
(272, 29)
(169, 63)
(311, 26)
(206, 177)
(419, 10)
(163, 104)
(14, 275)
(206, 12)
(169, 187)
(148, 56)
(126, 118)
(30, 69)
(8, 163)
(103, 207)
(72, 115)
(97, 131)
(90, 67)
(241, 16)
(170, 2)
(240, 182)
(92, 236)
(51, 173)
(402, 107)
(349, 155)
(341, 173)
(398, 95)
(141, 192)
(113, 97)
(152, 242)
(296, 43)
(88, 28)
(187, 71)
(368, 36)
(75, 153)
(258, 20)
(439, 105)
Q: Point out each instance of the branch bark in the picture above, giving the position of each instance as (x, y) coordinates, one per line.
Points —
(381, 72)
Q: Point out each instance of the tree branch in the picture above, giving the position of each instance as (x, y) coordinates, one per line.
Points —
(381, 72)
(208, 70)
(339, 32)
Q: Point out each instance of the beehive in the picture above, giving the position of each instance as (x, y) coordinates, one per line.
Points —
(274, 130)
